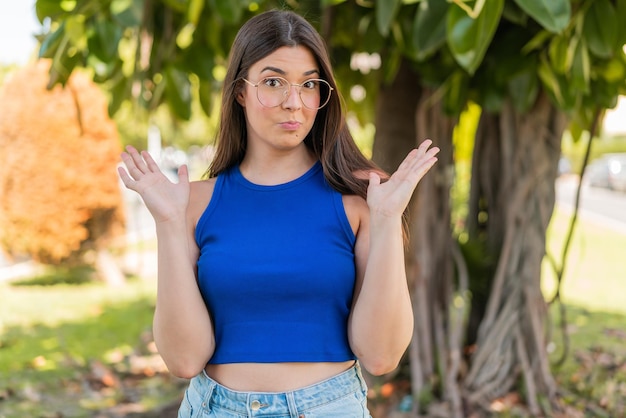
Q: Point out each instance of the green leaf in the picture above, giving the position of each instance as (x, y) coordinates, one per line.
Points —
(456, 87)
(613, 71)
(429, 27)
(561, 52)
(75, 30)
(576, 130)
(119, 92)
(51, 42)
(326, 3)
(62, 67)
(601, 28)
(581, 67)
(513, 13)
(178, 92)
(469, 38)
(195, 11)
(48, 8)
(557, 86)
(554, 15)
(127, 13)
(537, 42)
(205, 93)
(385, 13)
(106, 39)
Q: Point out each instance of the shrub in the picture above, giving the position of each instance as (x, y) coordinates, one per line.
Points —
(59, 193)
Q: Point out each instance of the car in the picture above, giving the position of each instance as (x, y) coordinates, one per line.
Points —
(617, 171)
(608, 171)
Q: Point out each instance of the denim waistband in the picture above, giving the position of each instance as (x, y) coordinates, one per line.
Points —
(290, 402)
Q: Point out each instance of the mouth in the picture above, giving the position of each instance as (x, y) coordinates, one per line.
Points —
(290, 125)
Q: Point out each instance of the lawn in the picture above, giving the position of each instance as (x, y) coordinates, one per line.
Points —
(79, 348)
(594, 292)
(84, 350)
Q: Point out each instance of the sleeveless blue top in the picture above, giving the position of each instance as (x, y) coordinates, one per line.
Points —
(277, 270)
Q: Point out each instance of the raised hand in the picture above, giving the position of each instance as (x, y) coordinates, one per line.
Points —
(165, 200)
(392, 197)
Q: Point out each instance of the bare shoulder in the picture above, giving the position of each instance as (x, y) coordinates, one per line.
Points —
(200, 194)
(357, 211)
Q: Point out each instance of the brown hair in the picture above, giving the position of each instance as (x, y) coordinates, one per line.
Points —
(345, 167)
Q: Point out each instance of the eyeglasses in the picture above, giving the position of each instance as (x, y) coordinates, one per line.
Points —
(273, 91)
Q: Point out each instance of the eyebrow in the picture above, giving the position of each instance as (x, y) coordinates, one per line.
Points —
(282, 72)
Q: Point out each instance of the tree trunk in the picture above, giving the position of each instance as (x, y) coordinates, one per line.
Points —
(437, 340)
(395, 119)
(406, 114)
(511, 202)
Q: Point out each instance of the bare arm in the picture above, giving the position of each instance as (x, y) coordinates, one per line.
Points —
(381, 322)
(182, 326)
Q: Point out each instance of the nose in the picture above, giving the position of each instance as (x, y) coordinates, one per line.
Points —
(293, 101)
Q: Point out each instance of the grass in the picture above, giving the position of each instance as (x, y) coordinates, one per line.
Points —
(593, 292)
(52, 339)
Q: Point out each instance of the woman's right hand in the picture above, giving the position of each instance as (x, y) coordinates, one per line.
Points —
(164, 199)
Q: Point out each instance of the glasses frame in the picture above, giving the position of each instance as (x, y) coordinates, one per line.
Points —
(288, 91)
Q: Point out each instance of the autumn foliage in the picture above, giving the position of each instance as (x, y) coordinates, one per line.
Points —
(59, 194)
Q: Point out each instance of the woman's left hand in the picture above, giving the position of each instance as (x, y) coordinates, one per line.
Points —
(391, 198)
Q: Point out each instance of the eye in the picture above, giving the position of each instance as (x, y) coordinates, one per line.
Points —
(274, 82)
(310, 84)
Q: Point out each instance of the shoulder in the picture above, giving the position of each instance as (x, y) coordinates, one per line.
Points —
(357, 212)
(200, 194)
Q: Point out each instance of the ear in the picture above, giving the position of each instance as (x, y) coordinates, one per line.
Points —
(241, 98)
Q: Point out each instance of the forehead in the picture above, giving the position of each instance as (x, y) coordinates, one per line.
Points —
(289, 60)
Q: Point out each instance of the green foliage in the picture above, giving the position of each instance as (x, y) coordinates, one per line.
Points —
(469, 36)
(554, 15)
(487, 52)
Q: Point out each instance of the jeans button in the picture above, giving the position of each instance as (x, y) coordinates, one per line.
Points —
(255, 405)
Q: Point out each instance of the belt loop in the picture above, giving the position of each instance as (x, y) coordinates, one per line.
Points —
(293, 408)
(206, 403)
(359, 374)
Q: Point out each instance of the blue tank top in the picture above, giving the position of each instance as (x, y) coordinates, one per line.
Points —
(276, 270)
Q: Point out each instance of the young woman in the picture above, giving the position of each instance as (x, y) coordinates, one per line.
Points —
(282, 272)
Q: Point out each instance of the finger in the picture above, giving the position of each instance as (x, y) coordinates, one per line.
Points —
(137, 159)
(183, 174)
(150, 163)
(374, 178)
(135, 173)
(126, 179)
(425, 145)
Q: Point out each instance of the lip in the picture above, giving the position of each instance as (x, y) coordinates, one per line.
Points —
(290, 125)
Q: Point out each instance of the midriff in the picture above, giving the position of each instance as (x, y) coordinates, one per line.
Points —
(273, 377)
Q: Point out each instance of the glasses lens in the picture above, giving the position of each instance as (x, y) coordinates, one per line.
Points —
(315, 93)
(273, 91)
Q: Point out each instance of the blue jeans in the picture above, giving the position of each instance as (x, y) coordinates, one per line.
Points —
(344, 395)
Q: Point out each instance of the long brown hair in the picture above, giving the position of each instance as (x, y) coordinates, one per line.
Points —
(345, 167)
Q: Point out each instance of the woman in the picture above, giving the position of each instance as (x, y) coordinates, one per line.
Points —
(283, 272)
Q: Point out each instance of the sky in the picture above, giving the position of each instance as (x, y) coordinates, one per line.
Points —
(18, 24)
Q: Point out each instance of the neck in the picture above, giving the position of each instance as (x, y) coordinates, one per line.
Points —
(276, 169)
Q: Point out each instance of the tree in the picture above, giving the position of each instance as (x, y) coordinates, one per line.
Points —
(534, 67)
(60, 196)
